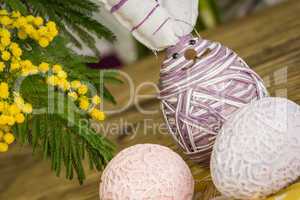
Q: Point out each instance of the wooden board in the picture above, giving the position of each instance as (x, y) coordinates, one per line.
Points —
(270, 43)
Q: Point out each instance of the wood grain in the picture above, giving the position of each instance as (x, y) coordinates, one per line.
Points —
(268, 40)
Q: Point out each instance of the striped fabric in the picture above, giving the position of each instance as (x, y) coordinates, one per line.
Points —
(145, 19)
(118, 6)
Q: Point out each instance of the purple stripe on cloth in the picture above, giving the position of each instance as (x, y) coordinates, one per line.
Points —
(161, 25)
(118, 6)
(147, 17)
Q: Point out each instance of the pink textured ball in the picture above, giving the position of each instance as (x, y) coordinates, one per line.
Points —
(202, 84)
(147, 172)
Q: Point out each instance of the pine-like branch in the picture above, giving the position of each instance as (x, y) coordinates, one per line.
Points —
(59, 133)
(60, 137)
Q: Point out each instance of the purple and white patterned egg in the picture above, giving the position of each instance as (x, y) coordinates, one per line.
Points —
(202, 83)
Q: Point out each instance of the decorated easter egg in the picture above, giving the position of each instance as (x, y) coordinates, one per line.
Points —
(257, 153)
(147, 172)
(202, 83)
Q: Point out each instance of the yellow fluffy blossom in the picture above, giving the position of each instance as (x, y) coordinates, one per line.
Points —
(7, 120)
(15, 14)
(14, 45)
(51, 25)
(30, 18)
(29, 70)
(62, 74)
(5, 20)
(10, 120)
(63, 84)
(83, 89)
(20, 118)
(73, 95)
(1, 135)
(22, 35)
(96, 100)
(14, 65)
(34, 35)
(2, 106)
(52, 28)
(38, 21)
(29, 29)
(56, 68)
(4, 33)
(14, 109)
(5, 128)
(2, 66)
(44, 67)
(9, 138)
(5, 56)
(5, 41)
(44, 42)
(43, 31)
(21, 22)
(17, 52)
(84, 104)
(52, 80)
(4, 93)
(97, 115)
(26, 63)
(75, 84)
(3, 147)
(4, 119)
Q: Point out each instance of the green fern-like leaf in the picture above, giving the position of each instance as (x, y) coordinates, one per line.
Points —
(17, 5)
(55, 129)
(58, 132)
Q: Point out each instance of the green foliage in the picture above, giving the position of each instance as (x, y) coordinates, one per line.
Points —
(60, 132)
(72, 16)
(17, 5)
(209, 15)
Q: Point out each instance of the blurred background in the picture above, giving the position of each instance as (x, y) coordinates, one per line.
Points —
(126, 49)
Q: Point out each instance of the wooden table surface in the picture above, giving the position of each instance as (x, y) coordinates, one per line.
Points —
(268, 40)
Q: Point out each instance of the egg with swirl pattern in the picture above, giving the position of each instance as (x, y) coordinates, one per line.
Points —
(257, 153)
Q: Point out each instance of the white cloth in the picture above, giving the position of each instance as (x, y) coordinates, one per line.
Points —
(157, 24)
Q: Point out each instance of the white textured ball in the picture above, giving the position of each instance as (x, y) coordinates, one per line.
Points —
(147, 172)
(258, 150)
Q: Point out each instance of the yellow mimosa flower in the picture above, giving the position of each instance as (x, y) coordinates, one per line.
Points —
(3, 147)
(4, 92)
(20, 118)
(5, 56)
